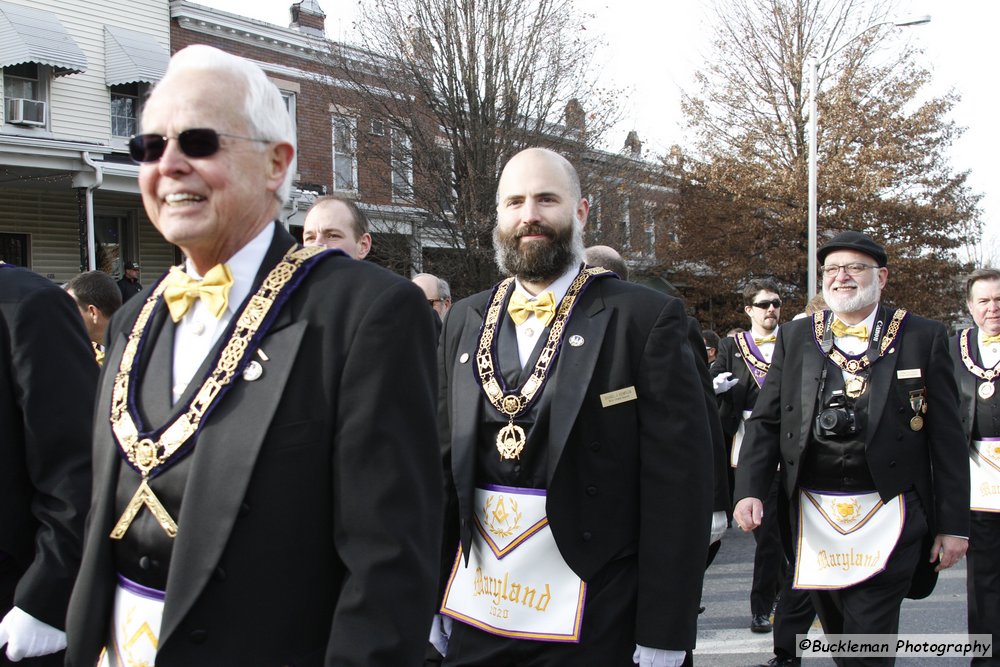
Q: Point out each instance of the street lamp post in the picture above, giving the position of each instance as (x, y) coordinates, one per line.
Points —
(814, 65)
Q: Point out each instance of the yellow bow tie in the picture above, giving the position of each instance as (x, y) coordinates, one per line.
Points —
(543, 307)
(213, 289)
(840, 330)
(991, 339)
(766, 339)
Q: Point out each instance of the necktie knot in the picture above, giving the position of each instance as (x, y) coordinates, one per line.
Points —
(543, 307)
(182, 290)
(840, 330)
(765, 339)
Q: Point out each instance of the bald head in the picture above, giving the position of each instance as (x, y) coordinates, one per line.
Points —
(543, 157)
(608, 257)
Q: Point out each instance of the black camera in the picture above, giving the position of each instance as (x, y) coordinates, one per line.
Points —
(837, 419)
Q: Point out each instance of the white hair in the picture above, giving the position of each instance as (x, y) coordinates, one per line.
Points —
(263, 108)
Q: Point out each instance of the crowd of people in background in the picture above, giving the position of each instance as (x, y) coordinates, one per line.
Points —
(293, 456)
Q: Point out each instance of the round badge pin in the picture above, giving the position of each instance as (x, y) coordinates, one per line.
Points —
(576, 340)
(253, 371)
(464, 358)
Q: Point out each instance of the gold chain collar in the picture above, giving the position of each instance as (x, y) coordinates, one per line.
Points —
(979, 372)
(855, 366)
(511, 440)
(145, 453)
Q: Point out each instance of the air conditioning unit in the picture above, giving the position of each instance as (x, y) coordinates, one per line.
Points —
(22, 111)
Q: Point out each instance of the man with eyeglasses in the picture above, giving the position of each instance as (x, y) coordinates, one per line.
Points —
(860, 408)
(976, 353)
(437, 291)
(738, 373)
(267, 484)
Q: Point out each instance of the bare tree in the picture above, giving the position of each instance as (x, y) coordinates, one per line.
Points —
(478, 81)
(882, 145)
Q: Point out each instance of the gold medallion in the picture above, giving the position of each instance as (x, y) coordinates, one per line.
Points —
(917, 423)
(854, 386)
(510, 441)
(986, 390)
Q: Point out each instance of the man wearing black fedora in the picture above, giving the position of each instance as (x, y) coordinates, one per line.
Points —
(861, 409)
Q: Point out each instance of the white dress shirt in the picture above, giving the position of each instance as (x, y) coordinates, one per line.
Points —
(199, 330)
(529, 330)
(989, 353)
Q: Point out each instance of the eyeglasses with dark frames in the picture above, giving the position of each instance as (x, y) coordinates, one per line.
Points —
(764, 305)
(196, 142)
(853, 269)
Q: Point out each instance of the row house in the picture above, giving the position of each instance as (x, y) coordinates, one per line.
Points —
(345, 147)
(75, 78)
(74, 74)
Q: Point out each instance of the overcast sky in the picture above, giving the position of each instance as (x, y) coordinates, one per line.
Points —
(654, 48)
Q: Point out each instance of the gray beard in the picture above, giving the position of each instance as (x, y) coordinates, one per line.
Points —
(539, 264)
(864, 297)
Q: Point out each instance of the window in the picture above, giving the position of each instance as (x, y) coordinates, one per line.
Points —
(15, 249)
(345, 161)
(289, 99)
(126, 105)
(24, 94)
(378, 127)
(402, 166)
(445, 176)
(115, 240)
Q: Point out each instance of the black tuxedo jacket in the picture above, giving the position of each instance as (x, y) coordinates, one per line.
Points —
(731, 403)
(47, 381)
(720, 456)
(932, 460)
(631, 479)
(308, 532)
(967, 383)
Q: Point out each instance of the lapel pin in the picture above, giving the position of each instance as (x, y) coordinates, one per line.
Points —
(576, 340)
(253, 371)
(464, 358)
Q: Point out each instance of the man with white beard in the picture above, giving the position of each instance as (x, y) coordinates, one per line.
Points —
(861, 409)
(555, 385)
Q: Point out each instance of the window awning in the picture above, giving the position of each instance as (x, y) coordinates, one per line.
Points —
(132, 57)
(29, 35)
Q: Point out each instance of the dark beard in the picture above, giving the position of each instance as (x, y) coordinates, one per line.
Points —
(538, 261)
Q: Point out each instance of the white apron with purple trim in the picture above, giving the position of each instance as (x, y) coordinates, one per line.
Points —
(845, 538)
(135, 626)
(741, 431)
(984, 468)
(516, 583)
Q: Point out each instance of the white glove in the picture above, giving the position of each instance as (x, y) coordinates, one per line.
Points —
(722, 383)
(657, 657)
(441, 633)
(27, 637)
(718, 527)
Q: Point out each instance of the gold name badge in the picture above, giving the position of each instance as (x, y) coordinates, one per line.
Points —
(618, 396)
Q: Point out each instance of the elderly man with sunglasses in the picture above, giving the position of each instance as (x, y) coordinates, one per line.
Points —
(860, 408)
(267, 487)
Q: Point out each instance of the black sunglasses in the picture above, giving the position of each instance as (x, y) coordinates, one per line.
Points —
(198, 142)
(764, 305)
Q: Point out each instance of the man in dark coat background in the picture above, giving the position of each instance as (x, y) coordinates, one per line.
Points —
(47, 382)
